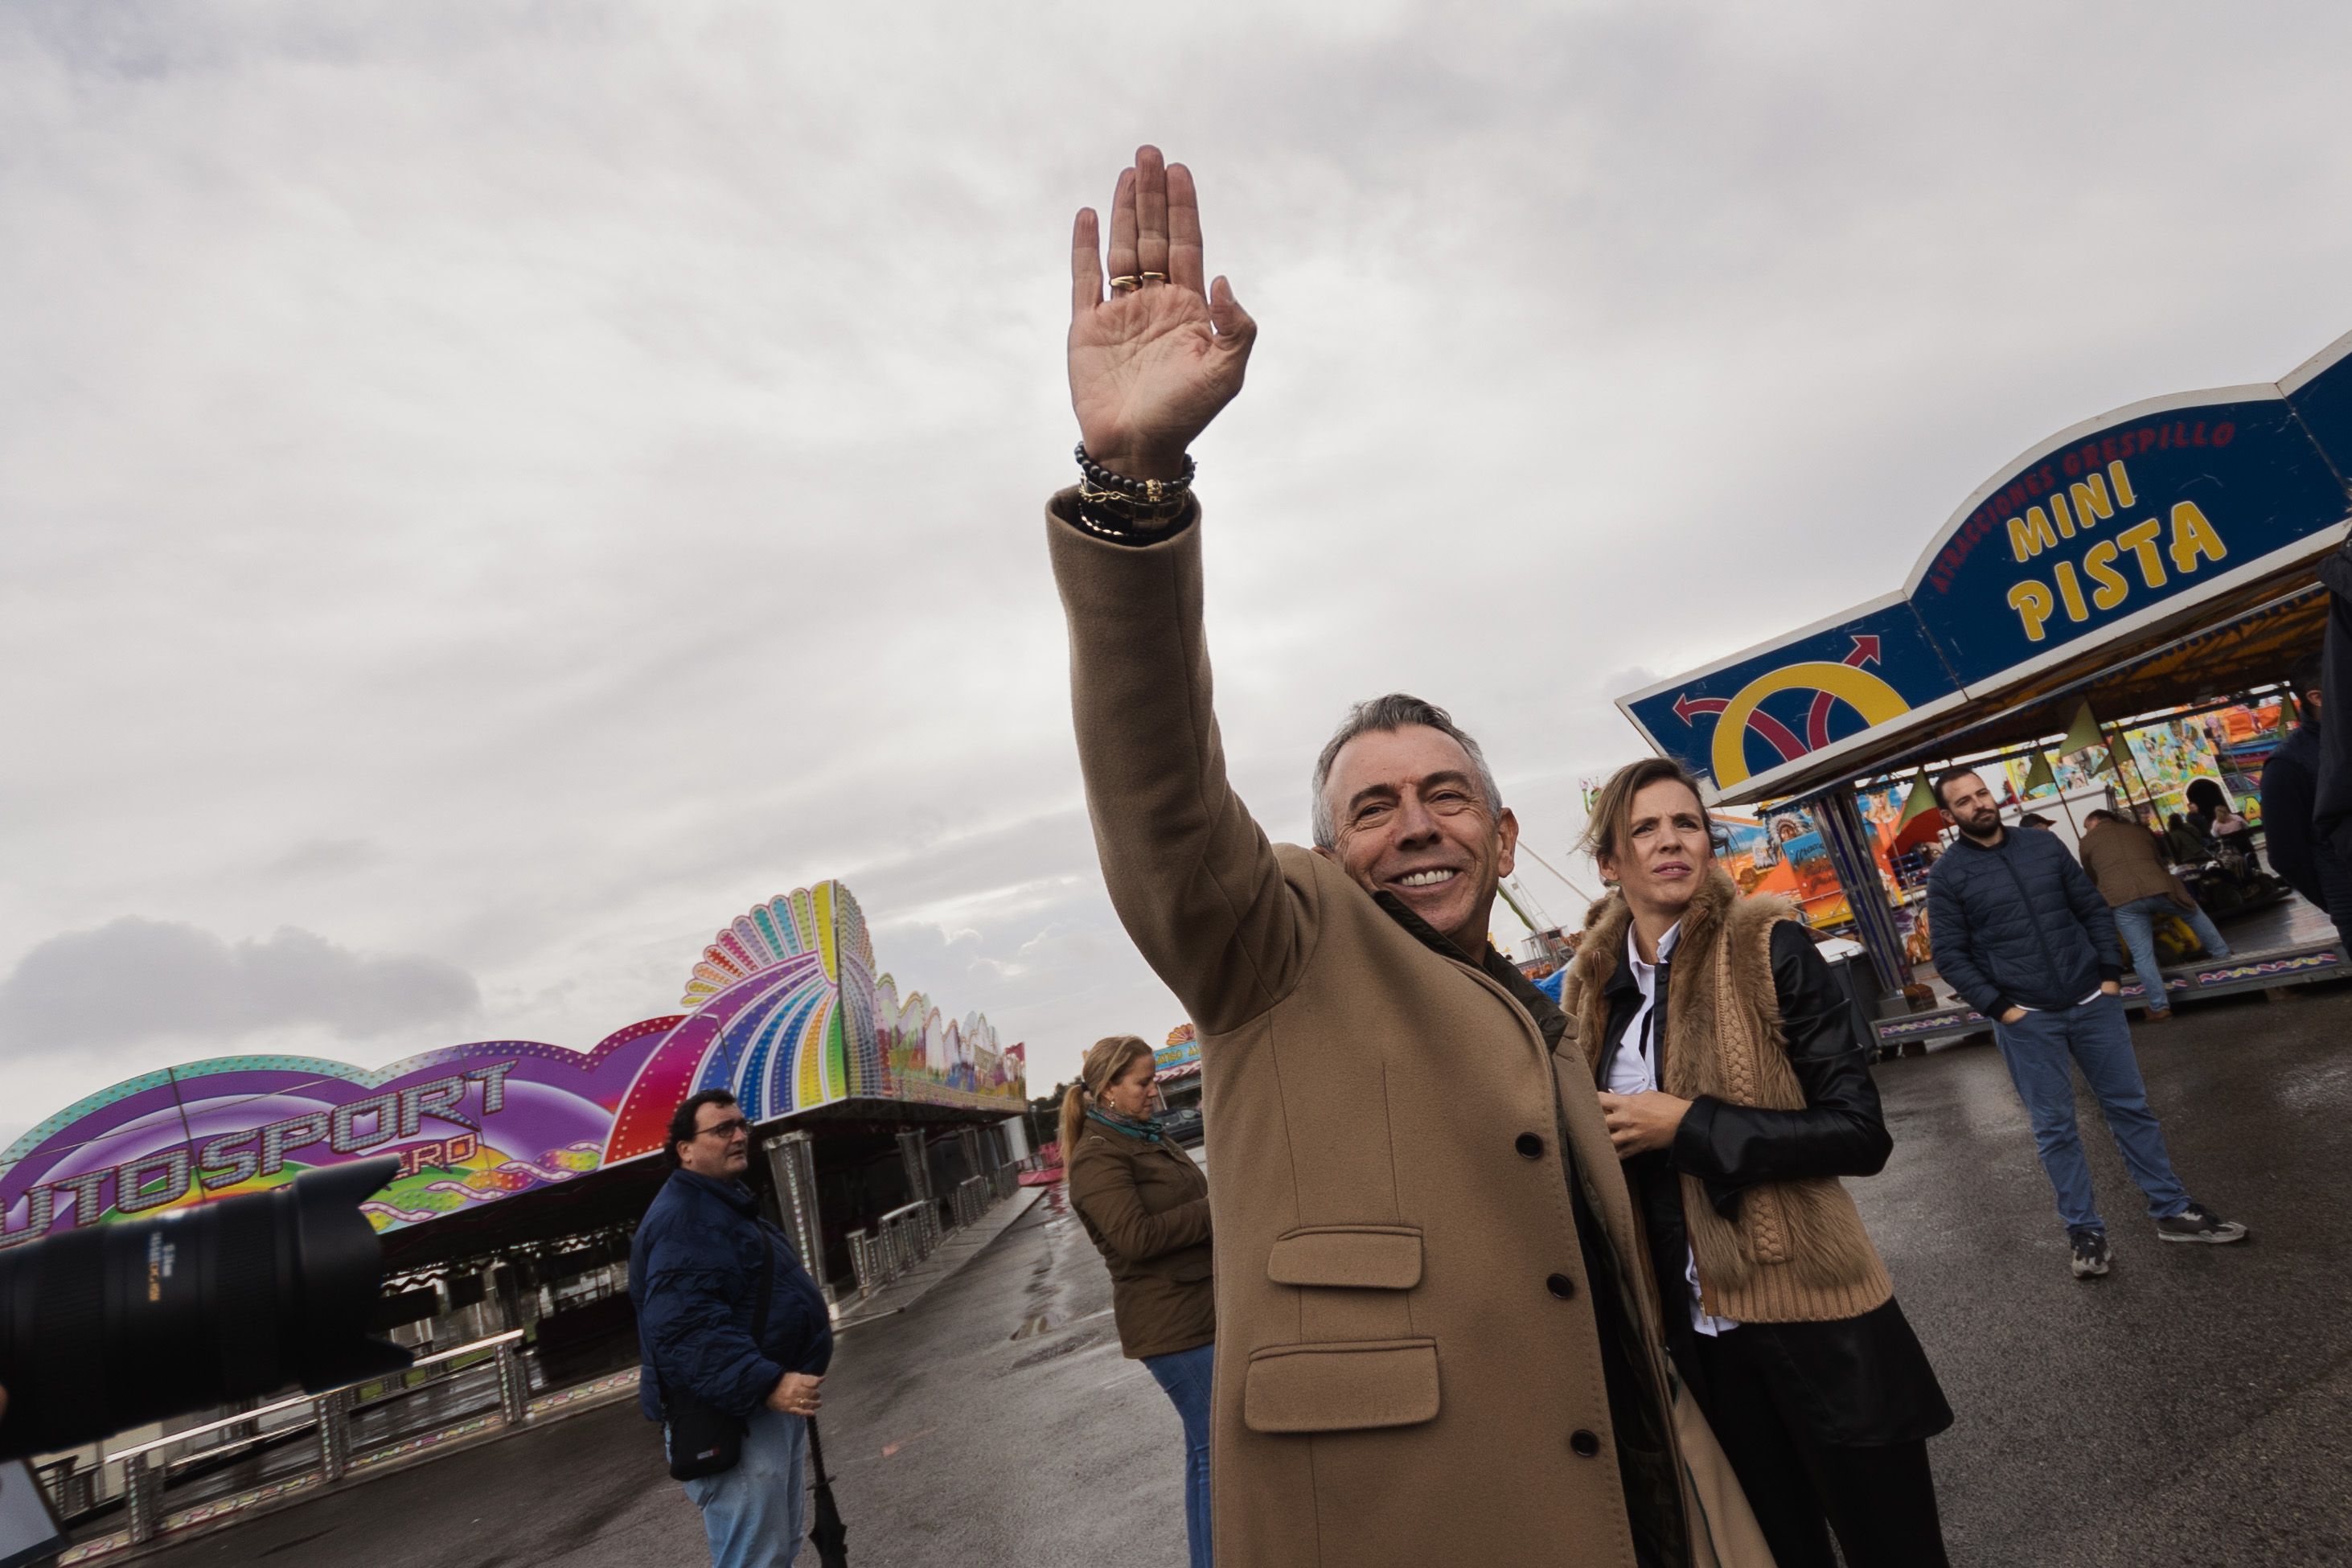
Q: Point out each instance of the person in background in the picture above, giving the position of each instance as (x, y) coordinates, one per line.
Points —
(2183, 845)
(2035, 819)
(1733, 1137)
(2022, 934)
(2289, 789)
(2127, 864)
(2232, 836)
(696, 1267)
(1145, 1205)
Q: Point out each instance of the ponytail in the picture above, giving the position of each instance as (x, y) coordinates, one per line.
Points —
(1073, 1119)
(1104, 1060)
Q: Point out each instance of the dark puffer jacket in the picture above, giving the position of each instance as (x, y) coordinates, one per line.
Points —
(2019, 923)
(2289, 789)
(694, 1273)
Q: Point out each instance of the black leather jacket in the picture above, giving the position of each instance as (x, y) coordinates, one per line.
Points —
(1841, 1132)
(1861, 1380)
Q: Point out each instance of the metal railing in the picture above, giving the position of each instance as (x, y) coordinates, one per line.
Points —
(970, 1200)
(146, 1468)
(895, 1244)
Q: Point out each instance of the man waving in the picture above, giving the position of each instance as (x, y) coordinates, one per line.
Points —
(1435, 1343)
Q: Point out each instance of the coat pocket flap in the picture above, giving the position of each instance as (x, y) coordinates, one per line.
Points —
(1358, 1257)
(1341, 1387)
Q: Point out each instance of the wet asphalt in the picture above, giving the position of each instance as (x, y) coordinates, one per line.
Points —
(2194, 1408)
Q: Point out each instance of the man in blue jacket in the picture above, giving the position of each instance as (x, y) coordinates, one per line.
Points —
(2020, 930)
(695, 1275)
(2290, 804)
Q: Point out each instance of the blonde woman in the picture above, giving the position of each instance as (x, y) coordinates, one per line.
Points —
(1145, 1205)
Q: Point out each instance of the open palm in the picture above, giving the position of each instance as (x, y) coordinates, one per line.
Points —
(1152, 363)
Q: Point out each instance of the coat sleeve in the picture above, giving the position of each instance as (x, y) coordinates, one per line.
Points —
(1953, 945)
(1841, 1132)
(1102, 1188)
(2287, 801)
(2090, 907)
(1194, 879)
(689, 1325)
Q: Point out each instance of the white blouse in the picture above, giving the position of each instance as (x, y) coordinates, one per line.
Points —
(1634, 1070)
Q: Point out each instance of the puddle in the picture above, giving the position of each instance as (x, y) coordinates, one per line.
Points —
(1056, 1351)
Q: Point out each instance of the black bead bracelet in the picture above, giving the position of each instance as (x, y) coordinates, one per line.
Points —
(1150, 492)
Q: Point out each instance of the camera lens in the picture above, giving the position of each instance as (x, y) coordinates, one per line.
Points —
(108, 1327)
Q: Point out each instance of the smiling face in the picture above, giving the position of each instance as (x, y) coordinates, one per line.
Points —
(1663, 851)
(1412, 821)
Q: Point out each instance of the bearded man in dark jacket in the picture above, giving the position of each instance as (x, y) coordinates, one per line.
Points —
(2020, 930)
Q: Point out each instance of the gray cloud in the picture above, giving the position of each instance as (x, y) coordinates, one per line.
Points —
(132, 980)
(523, 484)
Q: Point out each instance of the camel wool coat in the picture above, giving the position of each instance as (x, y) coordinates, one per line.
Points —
(1408, 1367)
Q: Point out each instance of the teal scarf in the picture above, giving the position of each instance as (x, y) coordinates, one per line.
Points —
(1148, 1131)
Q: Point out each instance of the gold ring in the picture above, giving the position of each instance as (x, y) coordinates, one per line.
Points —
(1124, 283)
(1155, 277)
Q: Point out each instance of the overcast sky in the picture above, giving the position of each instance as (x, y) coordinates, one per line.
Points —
(489, 491)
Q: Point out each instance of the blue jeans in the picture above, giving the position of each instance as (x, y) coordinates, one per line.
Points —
(1186, 1376)
(2137, 922)
(756, 1513)
(2036, 1048)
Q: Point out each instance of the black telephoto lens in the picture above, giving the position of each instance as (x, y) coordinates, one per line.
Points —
(108, 1327)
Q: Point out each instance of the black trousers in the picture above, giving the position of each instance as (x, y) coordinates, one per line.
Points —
(1881, 1500)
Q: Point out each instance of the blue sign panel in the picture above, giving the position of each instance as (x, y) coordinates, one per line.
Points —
(2109, 527)
(2118, 524)
(1757, 713)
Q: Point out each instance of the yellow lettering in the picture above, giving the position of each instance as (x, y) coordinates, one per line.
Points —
(2091, 499)
(2066, 519)
(2033, 603)
(2193, 536)
(2100, 564)
(2124, 496)
(2031, 535)
(2072, 592)
(2141, 537)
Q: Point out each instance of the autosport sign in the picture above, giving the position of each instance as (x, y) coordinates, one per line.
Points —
(787, 1012)
(2117, 525)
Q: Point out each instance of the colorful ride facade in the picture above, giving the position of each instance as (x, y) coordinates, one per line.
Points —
(785, 1010)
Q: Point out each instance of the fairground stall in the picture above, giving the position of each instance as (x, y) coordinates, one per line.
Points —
(524, 1168)
(2108, 618)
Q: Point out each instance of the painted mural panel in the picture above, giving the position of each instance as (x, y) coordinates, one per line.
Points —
(784, 1010)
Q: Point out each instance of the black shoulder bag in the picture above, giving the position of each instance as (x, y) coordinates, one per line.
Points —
(705, 1440)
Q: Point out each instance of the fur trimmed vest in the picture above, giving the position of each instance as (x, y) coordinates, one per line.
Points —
(1796, 1251)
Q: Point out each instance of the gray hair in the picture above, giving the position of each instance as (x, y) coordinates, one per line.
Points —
(1386, 715)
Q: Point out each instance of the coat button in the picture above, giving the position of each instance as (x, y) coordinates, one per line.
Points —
(1560, 1285)
(1530, 1146)
(1585, 1444)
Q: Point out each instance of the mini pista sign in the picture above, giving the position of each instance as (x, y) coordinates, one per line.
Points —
(2117, 528)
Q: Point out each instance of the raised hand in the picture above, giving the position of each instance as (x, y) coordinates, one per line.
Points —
(1152, 363)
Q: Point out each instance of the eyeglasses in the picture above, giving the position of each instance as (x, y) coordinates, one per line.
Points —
(726, 1129)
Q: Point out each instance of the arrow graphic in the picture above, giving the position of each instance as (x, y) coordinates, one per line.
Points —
(1764, 724)
(1817, 720)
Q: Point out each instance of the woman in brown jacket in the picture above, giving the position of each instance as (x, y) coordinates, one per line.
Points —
(1146, 1207)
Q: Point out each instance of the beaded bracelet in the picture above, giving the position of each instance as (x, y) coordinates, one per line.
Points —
(1150, 492)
